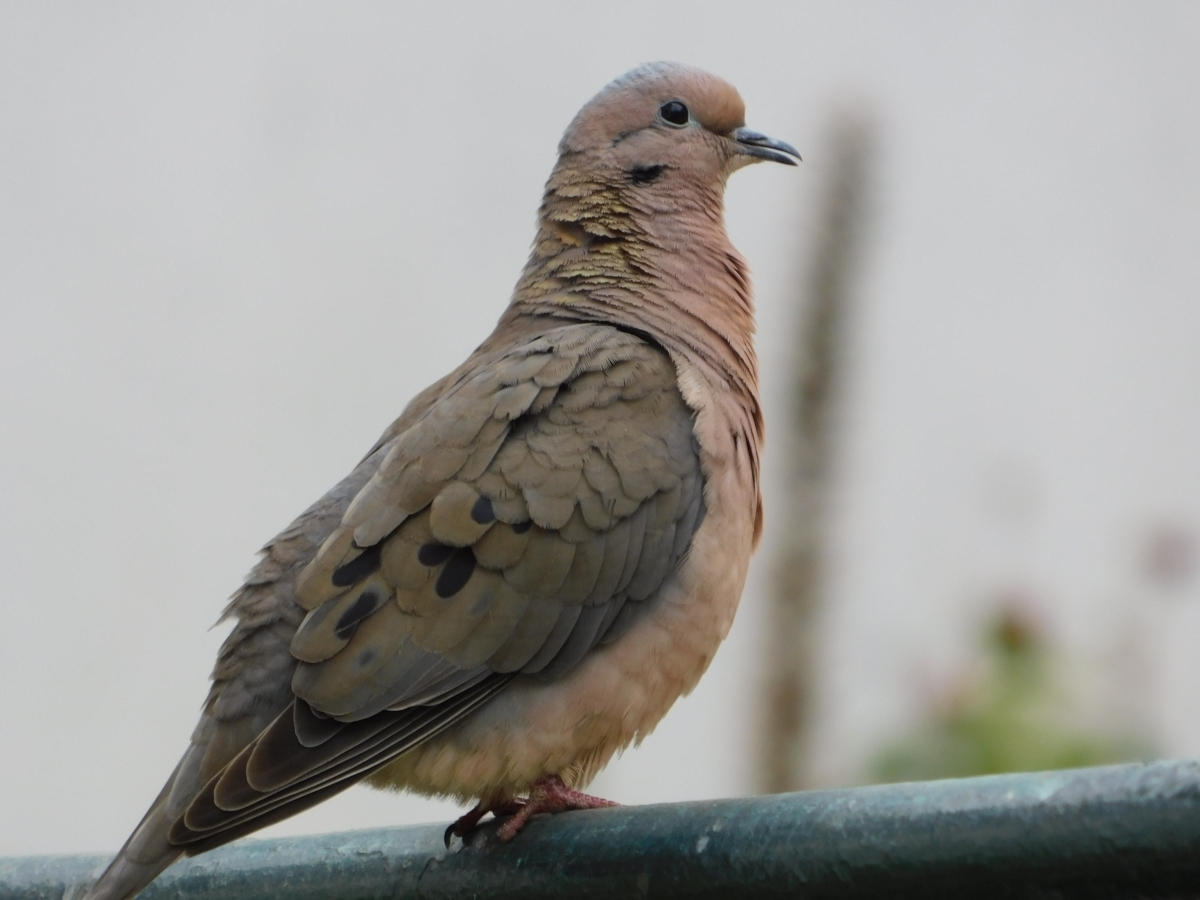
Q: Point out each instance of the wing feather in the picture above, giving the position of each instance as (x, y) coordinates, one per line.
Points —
(518, 521)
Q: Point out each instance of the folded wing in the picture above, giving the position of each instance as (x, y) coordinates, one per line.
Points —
(520, 522)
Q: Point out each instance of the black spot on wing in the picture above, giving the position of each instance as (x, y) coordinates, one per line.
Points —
(482, 511)
(367, 603)
(456, 574)
(434, 554)
(358, 568)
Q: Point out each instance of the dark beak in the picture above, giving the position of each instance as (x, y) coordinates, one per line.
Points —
(762, 147)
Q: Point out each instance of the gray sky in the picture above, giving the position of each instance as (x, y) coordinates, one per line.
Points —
(236, 238)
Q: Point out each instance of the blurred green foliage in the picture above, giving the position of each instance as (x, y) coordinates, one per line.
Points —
(1014, 717)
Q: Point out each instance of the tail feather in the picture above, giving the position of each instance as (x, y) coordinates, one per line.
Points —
(144, 856)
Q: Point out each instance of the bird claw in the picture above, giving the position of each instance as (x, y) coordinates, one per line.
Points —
(466, 824)
(549, 795)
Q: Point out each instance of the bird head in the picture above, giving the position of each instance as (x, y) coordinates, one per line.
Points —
(666, 124)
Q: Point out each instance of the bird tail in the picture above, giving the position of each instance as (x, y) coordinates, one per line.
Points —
(145, 854)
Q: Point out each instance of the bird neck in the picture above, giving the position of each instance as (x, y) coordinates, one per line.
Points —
(650, 260)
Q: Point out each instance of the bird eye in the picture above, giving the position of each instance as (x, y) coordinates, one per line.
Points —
(674, 113)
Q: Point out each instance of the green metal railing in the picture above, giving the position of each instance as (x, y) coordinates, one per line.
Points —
(1118, 831)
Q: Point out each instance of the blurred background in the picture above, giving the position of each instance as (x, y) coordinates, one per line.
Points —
(236, 238)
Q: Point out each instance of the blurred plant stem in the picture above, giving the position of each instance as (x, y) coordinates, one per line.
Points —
(1015, 716)
(819, 363)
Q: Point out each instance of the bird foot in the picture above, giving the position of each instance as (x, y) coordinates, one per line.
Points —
(548, 795)
(465, 825)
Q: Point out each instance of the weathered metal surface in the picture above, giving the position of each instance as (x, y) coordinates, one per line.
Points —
(1118, 831)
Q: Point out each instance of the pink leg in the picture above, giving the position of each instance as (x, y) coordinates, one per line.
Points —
(549, 795)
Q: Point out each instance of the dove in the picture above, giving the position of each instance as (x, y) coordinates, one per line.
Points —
(545, 550)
